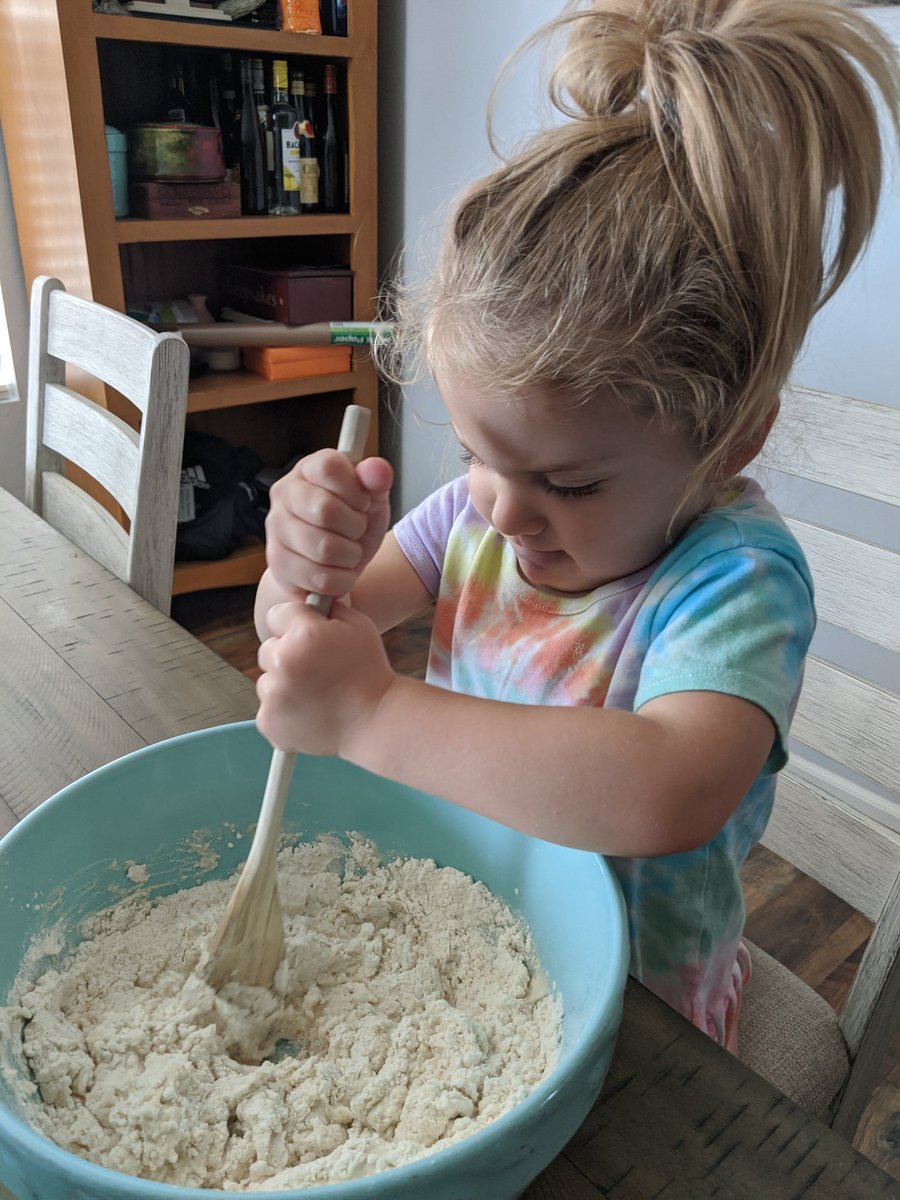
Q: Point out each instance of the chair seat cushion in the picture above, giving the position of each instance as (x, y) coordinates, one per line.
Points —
(788, 1034)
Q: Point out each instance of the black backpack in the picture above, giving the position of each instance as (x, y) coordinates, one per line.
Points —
(222, 503)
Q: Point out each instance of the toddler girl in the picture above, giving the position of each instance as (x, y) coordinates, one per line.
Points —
(621, 618)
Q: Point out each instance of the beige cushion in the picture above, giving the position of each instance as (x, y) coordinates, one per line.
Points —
(790, 1035)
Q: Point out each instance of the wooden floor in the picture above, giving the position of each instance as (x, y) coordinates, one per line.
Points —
(789, 915)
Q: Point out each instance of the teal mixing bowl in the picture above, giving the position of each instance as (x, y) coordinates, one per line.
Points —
(175, 807)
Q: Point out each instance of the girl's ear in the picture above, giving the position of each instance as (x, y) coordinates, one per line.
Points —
(747, 449)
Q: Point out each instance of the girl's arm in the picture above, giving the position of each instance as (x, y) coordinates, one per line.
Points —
(389, 590)
(659, 781)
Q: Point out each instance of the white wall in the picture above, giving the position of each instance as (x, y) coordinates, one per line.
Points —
(853, 345)
(437, 63)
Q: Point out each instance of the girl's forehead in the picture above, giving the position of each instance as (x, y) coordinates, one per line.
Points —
(537, 420)
(540, 431)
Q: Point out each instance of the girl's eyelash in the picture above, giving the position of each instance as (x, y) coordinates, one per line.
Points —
(586, 489)
(555, 489)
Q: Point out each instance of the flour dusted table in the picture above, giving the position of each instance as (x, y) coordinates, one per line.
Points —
(89, 671)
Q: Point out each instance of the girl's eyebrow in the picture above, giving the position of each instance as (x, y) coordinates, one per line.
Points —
(588, 463)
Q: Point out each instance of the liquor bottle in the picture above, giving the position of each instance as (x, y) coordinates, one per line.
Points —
(309, 163)
(283, 127)
(254, 196)
(262, 110)
(332, 190)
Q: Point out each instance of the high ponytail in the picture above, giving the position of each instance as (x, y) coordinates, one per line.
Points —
(715, 180)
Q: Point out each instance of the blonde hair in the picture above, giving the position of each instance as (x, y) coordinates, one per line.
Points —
(670, 242)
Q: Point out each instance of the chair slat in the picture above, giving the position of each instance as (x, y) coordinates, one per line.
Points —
(83, 521)
(97, 440)
(814, 432)
(850, 855)
(153, 541)
(877, 981)
(857, 584)
(850, 721)
(82, 333)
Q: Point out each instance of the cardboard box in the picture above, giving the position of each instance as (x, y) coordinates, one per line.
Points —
(292, 295)
(296, 362)
(166, 201)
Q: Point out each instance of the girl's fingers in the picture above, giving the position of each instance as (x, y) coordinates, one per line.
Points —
(298, 502)
(283, 617)
(324, 547)
(296, 572)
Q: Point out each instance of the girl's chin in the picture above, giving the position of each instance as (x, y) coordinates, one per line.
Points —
(553, 577)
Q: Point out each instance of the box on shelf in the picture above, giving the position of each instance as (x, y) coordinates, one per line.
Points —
(296, 362)
(292, 295)
(166, 201)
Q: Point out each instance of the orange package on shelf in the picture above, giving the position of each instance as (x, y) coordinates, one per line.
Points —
(300, 16)
(296, 362)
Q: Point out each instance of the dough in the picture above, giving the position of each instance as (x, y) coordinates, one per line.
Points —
(408, 1012)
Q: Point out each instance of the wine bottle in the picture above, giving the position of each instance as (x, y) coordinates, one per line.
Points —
(333, 17)
(176, 108)
(262, 110)
(254, 198)
(309, 163)
(225, 110)
(332, 192)
(285, 198)
(314, 108)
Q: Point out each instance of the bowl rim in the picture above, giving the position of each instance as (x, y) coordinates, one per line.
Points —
(607, 1005)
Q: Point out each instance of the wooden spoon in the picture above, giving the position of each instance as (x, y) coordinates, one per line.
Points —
(248, 944)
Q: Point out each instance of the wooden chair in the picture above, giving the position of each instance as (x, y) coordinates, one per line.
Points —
(826, 815)
(141, 471)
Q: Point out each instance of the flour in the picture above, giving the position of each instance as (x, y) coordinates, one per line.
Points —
(409, 1011)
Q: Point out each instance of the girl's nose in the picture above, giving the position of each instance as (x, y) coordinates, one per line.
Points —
(513, 515)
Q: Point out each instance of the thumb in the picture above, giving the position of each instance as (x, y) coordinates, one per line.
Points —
(376, 475)
(344, 612)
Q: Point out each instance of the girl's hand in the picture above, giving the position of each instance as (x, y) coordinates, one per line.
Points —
(327, 518)
(323, 678)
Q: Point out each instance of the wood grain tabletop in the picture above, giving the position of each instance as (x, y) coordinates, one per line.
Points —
(89, 671)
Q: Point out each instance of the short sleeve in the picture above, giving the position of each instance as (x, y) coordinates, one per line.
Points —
(738, 622)
(423, 533)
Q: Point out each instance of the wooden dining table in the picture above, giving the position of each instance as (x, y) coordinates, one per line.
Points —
(89, 672)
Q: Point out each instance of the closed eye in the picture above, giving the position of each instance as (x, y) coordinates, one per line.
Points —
(584, 489)
(554, 489)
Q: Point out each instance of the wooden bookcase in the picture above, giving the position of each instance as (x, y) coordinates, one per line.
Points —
(67, 72)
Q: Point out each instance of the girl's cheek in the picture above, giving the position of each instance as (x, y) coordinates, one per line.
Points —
(480, 493)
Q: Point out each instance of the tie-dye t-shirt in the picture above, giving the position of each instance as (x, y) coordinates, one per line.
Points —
(728, 608)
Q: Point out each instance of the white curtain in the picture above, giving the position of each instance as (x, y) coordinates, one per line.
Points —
(13, 342)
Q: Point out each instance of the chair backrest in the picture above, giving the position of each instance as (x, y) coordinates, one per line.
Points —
(826, 819)
(140, 470)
